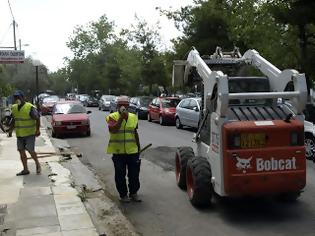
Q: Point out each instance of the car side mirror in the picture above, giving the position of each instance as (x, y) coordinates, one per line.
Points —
(88, 112)
(195, 109)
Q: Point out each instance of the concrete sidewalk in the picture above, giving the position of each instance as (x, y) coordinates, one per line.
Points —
(43, 204)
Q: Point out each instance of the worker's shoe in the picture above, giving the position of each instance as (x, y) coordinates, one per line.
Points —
(125, 199)
(23, 172)
(135, 198)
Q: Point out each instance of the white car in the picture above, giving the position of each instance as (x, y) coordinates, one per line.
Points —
(309, 134)
(188, 112)
(309, 140)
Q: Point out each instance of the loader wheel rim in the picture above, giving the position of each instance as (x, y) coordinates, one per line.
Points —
(190, 183)
(178, 168)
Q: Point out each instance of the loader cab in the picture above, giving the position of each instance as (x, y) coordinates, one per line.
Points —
(248, 85)
(236, 85)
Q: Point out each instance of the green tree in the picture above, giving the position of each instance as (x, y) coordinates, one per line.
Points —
(298, 15)
(88, 44)
(204, 26)
(59, 82)
(22, 76)
(146, 40)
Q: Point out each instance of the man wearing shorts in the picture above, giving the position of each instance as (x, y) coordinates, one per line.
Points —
(26, 122)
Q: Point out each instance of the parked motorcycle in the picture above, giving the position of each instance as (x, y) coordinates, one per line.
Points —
(6, 122)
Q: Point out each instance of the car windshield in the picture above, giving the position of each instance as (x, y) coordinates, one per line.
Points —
(93, 99)
(168, 103)
(83, 97)
(108, 98)
(51, 99)
(43, 95)
(145, 101)
(68, 108)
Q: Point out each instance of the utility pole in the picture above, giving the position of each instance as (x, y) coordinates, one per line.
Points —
(14, 25)
(36, 86)
(14, 36)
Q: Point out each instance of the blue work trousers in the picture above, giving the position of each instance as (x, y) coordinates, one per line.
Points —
(122, 164)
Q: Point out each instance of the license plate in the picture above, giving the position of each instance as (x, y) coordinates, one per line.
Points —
(71, 126)
(256, 140)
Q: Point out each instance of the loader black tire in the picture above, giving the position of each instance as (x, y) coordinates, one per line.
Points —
(198, 181)
(178, 124)
(183, 154)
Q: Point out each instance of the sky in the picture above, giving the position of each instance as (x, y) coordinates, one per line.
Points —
(44, 26)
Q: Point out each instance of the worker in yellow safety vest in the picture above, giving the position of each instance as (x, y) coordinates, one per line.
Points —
(26, 122)
(125, 146)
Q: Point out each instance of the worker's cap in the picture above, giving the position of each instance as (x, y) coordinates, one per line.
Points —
(18, 93)
(122, 101)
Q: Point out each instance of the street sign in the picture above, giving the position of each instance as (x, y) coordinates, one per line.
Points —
(11, 56)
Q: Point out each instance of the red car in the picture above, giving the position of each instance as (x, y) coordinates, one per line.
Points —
(163, 109)
(70, 117)
(48, 104)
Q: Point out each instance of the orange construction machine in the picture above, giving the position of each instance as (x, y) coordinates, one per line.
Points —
(249, 142)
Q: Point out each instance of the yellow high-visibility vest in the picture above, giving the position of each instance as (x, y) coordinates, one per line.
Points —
(24, 124)
(123, 141)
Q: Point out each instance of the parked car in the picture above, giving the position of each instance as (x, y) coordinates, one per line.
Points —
(41, 96)
(48, 103)
(104, 102)
(163, 109)
(82, 98)
(310, 112)
(309, 133)
(70, 96)
(91, 102)
(139, 106)
(309, 140)
(188, 113)
(70, 117)
(113, 104)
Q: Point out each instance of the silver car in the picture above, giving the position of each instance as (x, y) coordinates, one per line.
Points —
(104, 102)
(188, 112)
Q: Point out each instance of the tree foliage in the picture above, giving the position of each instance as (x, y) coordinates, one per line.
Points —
(118, 64)
(282, 31)
(132, 62)
(23, 77)
(298, 16)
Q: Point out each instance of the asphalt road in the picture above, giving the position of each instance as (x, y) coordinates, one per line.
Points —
(166, 210)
